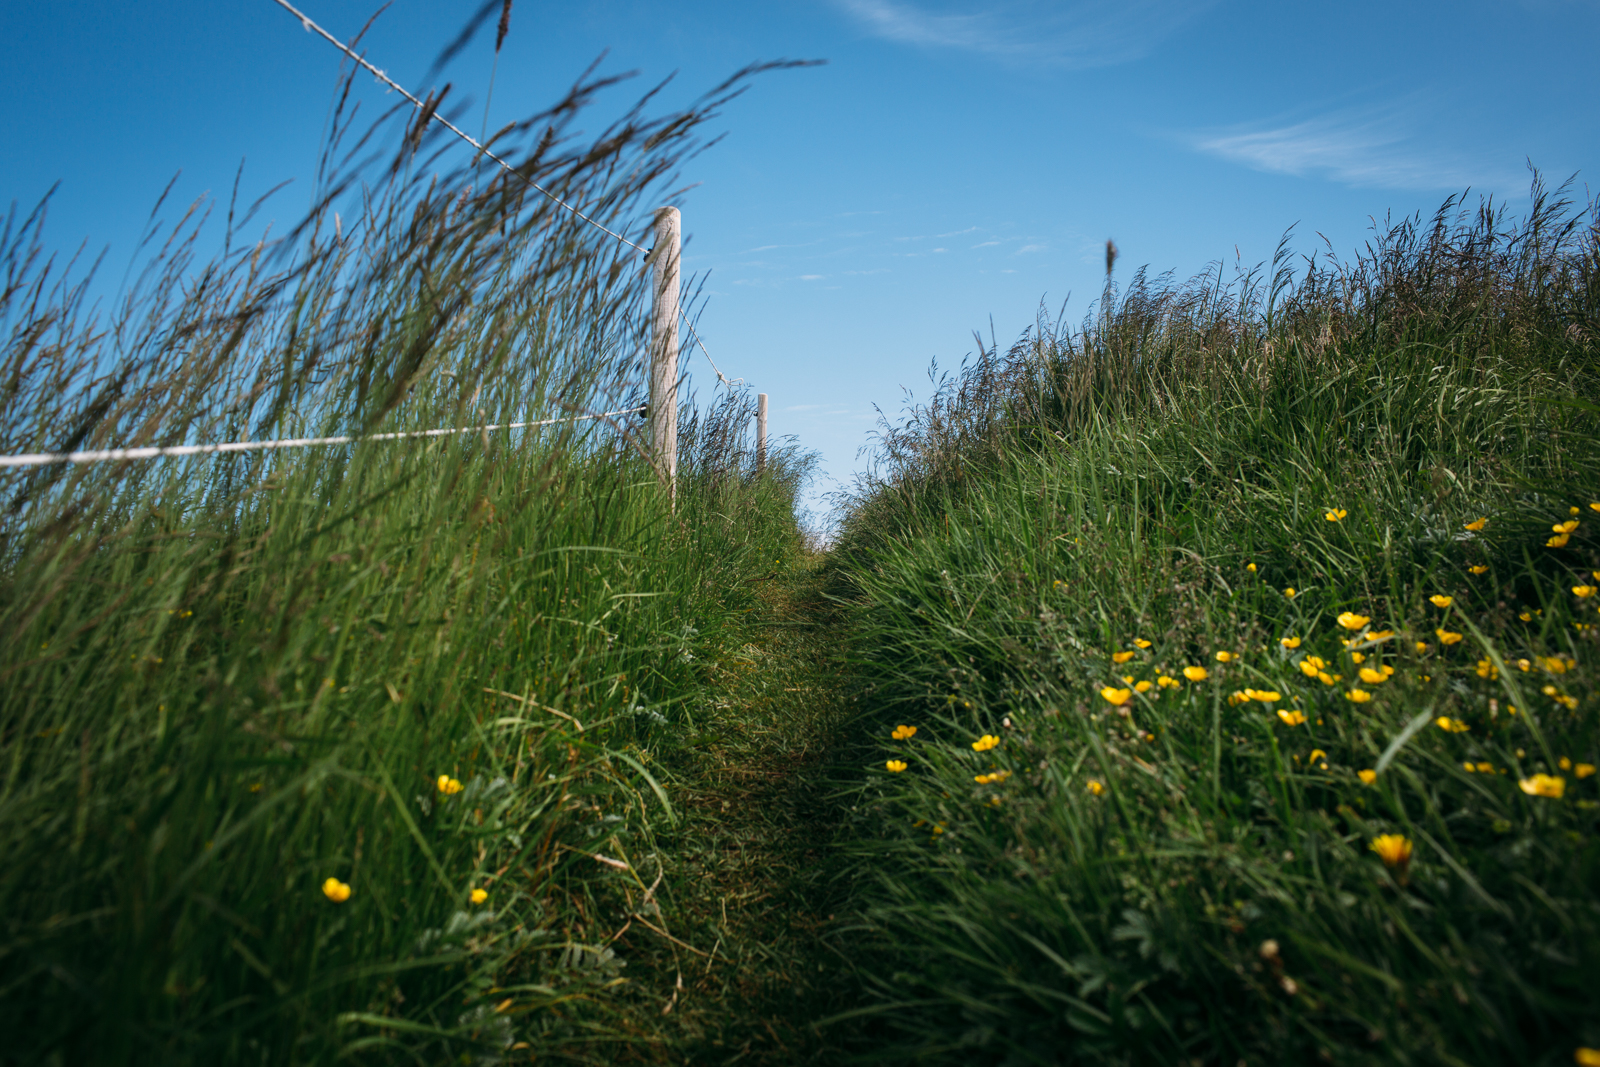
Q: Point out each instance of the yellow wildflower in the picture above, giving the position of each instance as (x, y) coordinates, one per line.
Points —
(1565, 527)
(1422, 648)
(1525, 616)
(1367, 777)
(1485, 768)
(479, 896)
(904, 733)
(1328, 679)
(1446, 637)
(449, 785)
(1393, 849)
(1166, 682)
(1335, 514)
(1289, 592)
(1585, 590)
(1523, 665)
(1487, 669)
(1554, 664)
(1564, 763)
(336, 891)
(1118, 697)
(1141, 642)
(1265, 696)
(1121, 657)
(985, 743)
(1195, 674)
(1583, 770)
(992, 778)
(1372, 677)
(1358, 658)
(1351, 621)
(1587, 1057)
(1311, 665)
(1292, 718)
(1544, 785)
(1569, 702)
(1439, 600)
(1358, 696)
(1251, 567)
(1378, 635)
(1478, 568)
(1237, 697)
(1128, 678)
(1289, 642)
(895, 766)
(1226, 657)
(1454, 726)
(1469, 767)
(1558, 541)
(1477, 524)
(1142, 685)
(1095, 787)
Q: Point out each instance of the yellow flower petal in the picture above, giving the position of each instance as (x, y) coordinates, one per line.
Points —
(1544, 785)
(1439, 600)
(479, 896)
(1335, 514)
(1118, 697)
(985, 743)
(1289, 642)
(1367, 777)
(895, 766)
(336, 891)
(1393, 849)
(1351, 621)
(1195, 674)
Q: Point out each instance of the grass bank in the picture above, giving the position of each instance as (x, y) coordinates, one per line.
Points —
(345, 753)
(1233, 664)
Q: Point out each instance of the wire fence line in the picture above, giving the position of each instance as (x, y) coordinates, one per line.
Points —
(45, 459)
(432, 115)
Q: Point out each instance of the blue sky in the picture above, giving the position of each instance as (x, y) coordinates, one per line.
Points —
(953, 164)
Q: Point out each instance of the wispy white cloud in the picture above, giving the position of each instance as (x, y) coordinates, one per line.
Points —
(1068, 33)
(1382, 147)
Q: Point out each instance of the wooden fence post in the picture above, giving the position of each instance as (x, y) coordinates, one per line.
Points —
(664, 348)
(761, 432)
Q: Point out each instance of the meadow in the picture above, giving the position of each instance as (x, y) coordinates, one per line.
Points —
(1233, 659)
(1210, 682)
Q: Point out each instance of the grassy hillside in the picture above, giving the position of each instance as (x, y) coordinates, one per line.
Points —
(1248, 638)
(348, 752)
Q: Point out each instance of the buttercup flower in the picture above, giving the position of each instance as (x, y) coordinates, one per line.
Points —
(985, 743)
(1454, 726)
(1289, 592)
(1226, 657)
(1367, 777)
(1487, 669)
(1141, 642)
(1357, 657)
(1237, 697)
(1328, 679)
(336, 891)
(1558, 541)
(1195, 674)
(1291, 718)
(1585, 590)
(1565, 527)
(1265, 696)
(895, 766)
(1372, 677)
(1166, 682)
(904, 733)
(449, 785)
(1251, 567)
(1587, 1057)
(1377, 635)
(1439, 600)
(1477, 568)
(1095, 787)
(480, 895)
(1446, 637)
(1317, 754)
(1485, 768)
(1544, 785)
(992, 778)
(1393, 849)
(1358, 696)
(1289, 642)
(1351, 621)
(1311, 665)
(1142, 686)
(1118, 697)
(1121, 657)
(1477, 524)
(1583, 770)
(1335, 514)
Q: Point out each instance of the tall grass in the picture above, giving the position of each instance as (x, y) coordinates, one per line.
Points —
(419, 668)
(1206, 477)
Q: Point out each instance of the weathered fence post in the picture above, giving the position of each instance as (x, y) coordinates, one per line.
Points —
(664, 348)
(761, 432)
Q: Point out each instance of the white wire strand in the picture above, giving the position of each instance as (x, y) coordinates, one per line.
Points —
(45, 459)
(312, 27)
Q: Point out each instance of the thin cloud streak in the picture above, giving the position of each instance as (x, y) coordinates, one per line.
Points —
(1374, 148)
(1076, 34)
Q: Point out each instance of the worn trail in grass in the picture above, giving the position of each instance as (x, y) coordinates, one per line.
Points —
(742, 960)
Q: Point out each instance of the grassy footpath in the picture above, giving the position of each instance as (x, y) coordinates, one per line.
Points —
(1248, 638)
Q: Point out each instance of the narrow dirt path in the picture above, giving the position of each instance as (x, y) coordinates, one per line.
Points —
(747, 893)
